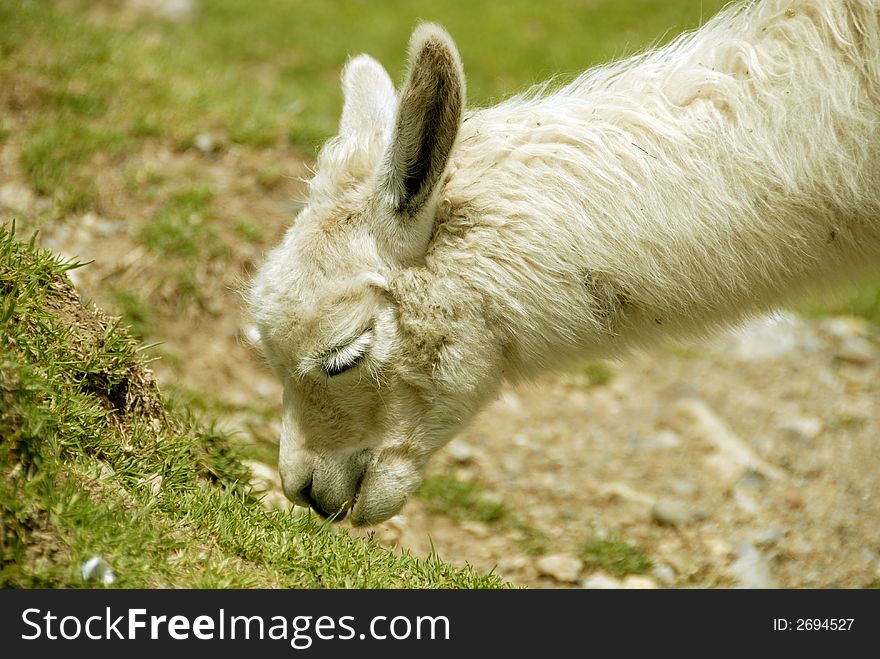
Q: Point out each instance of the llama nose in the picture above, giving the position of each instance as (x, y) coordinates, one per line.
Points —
(306, 495)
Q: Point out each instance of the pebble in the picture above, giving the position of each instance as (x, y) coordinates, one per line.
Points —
(638, 582)
(732, 456)
(718, 547)
(251, 333)
(750, 568)
(511, 401)
(769, 537)
(176, 11)
(601, 581)
(752, 481)
(855, 350)
(266, 482)
(793, 499)
(564, 568)
(97, 570)
(513, 564)
(683, 486)
(460, 451)
(746, 502)
(389, 533)
(668, 512)
(657, 442)
(107, 470)
(664, 575)
(479, 529)
(801, 428)
(772, 337)
(94, 225)
(16, 197)
(205, 143)
(268, 389)
(623, 491)
(152, 483)
(843, 327)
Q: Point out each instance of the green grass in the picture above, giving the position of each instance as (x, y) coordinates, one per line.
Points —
(463, 500)
(460, 499)
(182, 228)
(616, 556)
(94, 462)
(134, 311)
(595, 374)
(264, 73)
(249, 231)
(855, 300)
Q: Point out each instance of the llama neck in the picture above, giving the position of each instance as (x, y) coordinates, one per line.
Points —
(657, 200)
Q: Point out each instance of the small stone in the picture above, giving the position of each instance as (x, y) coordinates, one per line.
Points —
(752, 481)
(656, 442)
(638, 582)
(732, 457)
(601, 581)
(664, 575)
(479, 529)
(390, 532)
(152, 483)
(251, 334)
(750, 568)
(626, 493)
(267, 389)
(769, 537)
(746, 502)
(97, 570)
(793, 499)
(772, 337)
(511, 401)
(513, 564)
(667, 439)
(460, 451)
(205, 143)
(107, 470)
(564, 568)
(801, 429)
(842, 327)
(266, 483)
(667, 512)
(856, 350)
(16, 197)
(683, 486)
(176, 11)
(718, 547)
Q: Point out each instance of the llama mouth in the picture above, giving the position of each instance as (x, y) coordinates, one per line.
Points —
(312, 502)
(342, 512)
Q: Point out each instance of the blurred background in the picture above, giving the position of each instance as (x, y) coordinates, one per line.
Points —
(167, 140)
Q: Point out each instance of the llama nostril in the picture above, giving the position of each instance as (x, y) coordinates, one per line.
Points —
(306, 494)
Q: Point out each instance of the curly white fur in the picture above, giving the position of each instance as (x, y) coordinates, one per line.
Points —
(666, 194)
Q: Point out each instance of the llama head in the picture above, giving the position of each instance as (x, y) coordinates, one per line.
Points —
(365, 365)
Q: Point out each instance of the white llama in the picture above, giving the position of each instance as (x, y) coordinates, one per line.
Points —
(443, 251)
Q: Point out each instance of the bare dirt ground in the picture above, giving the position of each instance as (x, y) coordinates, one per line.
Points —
(749, 460)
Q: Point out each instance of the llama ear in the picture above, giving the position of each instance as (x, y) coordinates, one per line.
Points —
(370, 99)
(430, 113)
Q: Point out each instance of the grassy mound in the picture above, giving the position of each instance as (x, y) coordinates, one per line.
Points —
(93, 462)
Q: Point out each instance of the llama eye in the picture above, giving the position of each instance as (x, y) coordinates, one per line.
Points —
(340, 360)
(332, 368)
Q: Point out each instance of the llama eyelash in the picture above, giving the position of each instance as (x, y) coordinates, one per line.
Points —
(340, 360)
